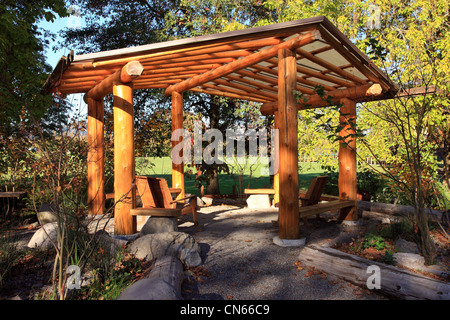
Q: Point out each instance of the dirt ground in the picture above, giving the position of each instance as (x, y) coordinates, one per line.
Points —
(241, 262)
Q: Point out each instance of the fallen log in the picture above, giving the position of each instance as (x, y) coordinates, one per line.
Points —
(396, 209)
(393, 282)
(163, 283)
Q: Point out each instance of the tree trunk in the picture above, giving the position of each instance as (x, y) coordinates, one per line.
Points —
(446, 159)
(212, 176)
(212, 184)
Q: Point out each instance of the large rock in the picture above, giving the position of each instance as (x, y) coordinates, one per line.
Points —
(258, 201)
(47, 214)
(409, 260)
(207, 201)
(159, 225)
(402, 245)
(44, 237)
(176, 244)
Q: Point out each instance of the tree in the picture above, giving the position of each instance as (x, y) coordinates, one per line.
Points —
(409, 40)
(23, 69)
(118, 24)
(413, 49)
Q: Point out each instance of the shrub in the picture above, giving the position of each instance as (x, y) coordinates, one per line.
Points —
(374, 241)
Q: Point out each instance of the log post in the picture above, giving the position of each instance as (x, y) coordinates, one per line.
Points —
(95, 156)
(177, 123)
(124, 167)
(347, 160)
(276, 176)
(288, 170)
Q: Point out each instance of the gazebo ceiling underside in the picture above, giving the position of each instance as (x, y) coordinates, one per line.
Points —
(239, 64)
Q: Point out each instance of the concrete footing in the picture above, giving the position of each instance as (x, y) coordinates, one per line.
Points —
(289, 242)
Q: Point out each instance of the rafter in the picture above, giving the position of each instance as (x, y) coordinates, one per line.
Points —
(243, 62)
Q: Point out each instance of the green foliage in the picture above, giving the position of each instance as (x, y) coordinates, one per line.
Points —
(388, 258)
(402, 229)
(369, 182)
(117, 271)
(23, 70)
(9, 254)
(372, 240)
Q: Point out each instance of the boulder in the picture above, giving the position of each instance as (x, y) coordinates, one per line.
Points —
(159, 225)
(44, 236)
(258, 201)
(200, 202)
(409, 260)
(401, 245)
(105, 240)
(47, 214)
(176, 244)
(207, 201)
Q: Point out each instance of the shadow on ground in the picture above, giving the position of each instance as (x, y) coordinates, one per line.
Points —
(241, 262)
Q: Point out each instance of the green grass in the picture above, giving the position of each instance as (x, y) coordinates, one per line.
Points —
(162, 167)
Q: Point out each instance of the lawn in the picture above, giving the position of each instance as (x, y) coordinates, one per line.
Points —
(162, 167)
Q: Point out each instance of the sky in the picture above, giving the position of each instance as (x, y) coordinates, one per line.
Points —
(53, 56)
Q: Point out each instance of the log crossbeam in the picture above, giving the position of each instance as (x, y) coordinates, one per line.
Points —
(358, 93)
(126, 74)
(244, 62)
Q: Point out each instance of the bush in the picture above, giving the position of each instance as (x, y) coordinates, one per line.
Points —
(402, 229)
(374, 241)
(368, 182)
(116, 272)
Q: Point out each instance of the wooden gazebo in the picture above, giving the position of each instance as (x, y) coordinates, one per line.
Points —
(265, 64)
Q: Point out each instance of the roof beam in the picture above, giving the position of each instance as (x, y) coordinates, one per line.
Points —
(127, 74)
(243, 62)
(321, 62)
(314, 101)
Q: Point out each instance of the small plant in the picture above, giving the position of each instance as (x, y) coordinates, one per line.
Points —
(109, 281)
(9, 254)
(374, 241)
(401, 229)
(388, 258)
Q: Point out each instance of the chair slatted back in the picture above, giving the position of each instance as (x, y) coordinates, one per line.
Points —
(315, 189)
(154, 192)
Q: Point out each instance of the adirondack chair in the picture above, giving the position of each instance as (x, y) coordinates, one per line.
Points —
(313, 194)
(157, 200)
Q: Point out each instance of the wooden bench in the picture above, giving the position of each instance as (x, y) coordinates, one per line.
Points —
(8, 199)
(12, 194)
(312, 195)
(316, 209)
(259, 198)
(259, 191)
(311, 198)
(157, 200)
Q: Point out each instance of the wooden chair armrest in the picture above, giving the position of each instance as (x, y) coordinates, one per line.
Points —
(181, 199)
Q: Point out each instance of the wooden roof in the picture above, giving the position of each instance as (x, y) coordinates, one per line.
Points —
(238, 64)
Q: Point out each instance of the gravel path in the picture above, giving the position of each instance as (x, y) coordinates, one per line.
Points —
(241, 262)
